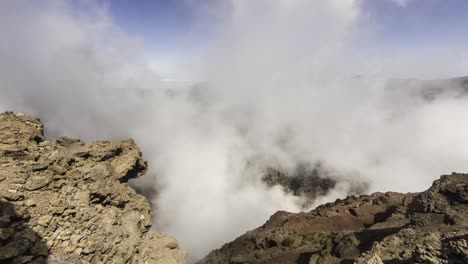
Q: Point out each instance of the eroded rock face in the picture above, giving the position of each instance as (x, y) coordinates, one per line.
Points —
(427, 227)
(65, 201)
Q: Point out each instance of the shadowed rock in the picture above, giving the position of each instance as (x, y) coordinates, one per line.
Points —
(18, 242)
(309, 183)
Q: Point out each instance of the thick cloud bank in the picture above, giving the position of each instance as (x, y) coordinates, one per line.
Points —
(280, 89)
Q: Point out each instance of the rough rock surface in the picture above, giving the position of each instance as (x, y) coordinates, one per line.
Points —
(308, 183)
(65, 201)
(426, 227)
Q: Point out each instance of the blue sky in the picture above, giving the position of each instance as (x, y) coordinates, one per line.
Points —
(163, 26)
(160, 22)
(419, 25)
(420, 22)
(164, 22)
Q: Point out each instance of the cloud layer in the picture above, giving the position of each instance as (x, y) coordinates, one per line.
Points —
(280, 88)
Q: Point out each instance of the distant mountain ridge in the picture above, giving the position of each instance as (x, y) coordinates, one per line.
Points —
(430, 89)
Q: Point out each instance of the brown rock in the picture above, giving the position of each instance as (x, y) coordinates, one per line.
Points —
(65, 201)
(426, 227)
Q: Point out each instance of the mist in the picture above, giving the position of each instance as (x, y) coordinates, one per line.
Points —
(281, 84)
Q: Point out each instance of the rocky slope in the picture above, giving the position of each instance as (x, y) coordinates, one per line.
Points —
(65, 201)
(427, 227)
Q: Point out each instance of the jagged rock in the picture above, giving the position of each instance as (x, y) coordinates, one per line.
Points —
(308, 182)
(305, 183)
(426, 227)
(65, 201)
(375, 259)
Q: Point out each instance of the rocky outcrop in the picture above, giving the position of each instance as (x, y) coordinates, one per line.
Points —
(427, 227)
(309, 183)
(65, 201)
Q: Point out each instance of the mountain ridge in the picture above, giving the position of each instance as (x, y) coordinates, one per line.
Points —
(426, 227)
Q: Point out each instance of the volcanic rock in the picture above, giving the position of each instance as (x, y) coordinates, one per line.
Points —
(65, 201)
(426, 227)
(308, 182)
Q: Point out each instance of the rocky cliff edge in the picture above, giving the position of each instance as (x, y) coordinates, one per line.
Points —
(65, 201)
